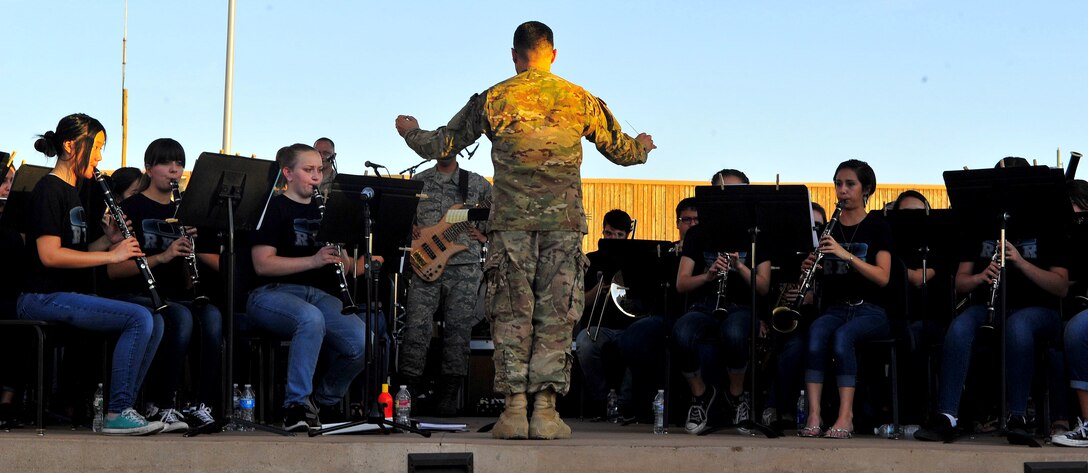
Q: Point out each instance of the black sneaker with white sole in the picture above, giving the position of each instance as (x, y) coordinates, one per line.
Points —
(200, 419)
(300, 418)
(699, 412)
(1077, 437)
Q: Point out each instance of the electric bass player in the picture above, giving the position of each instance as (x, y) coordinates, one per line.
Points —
(453, 286)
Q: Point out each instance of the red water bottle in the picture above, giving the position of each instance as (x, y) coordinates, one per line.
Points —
(386, 400)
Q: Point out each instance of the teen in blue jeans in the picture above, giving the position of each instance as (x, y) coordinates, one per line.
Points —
(1036, 283)
(58, 285)
(296, 298)
(856, 266)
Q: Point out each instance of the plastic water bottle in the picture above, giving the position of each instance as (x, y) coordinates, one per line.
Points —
(802, 411)
(887, 431)
(99, 410)
(403, 405)
(386, 400)
(659, 413)
(612, 412)
(909, 430)
(247, 403)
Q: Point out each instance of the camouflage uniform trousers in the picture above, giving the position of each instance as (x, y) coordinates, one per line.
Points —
(458, 288)
(535, 294)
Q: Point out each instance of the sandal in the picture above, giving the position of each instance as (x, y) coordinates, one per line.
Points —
(811, 432)
(839, 434)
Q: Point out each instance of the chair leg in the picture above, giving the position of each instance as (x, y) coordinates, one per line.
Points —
(40, 408)
(895, 386)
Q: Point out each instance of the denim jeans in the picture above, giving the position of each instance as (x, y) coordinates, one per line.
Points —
(701, 339)
(593, 360)
(836, 335)
(165, 375)
(311, 318)
(642, 348)
(1076, 351)
(1023, 329)
(140, 332)
(789, 370)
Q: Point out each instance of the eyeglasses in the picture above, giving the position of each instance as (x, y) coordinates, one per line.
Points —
(688, 220)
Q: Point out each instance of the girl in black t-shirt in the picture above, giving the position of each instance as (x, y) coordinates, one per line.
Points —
(166, 248)
(297, 299)
(1037, 277)
(856, 265)
(61, 258)
(704, 335)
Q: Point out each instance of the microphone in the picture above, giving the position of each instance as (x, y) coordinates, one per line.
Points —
(375, 167)
(367, 193)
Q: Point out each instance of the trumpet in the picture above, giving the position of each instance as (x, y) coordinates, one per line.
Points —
(723, 285)
(192, 271)
(141, 261)
(787, 315)
(338, 267)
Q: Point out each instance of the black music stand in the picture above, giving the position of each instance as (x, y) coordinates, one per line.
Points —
(353, 201)
(735, 218)
(989, 202)
(17, 209)
(229, 193)
(648, 276)
(923, 236)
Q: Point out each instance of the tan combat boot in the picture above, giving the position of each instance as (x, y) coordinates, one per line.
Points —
(513, 422)
(546, 424)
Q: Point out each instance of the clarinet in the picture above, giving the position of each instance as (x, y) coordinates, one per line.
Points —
(787, 315)
(141, 261)
(192, 271)
(338, 267)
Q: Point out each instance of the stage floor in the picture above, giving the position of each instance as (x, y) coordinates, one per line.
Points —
(595, 447)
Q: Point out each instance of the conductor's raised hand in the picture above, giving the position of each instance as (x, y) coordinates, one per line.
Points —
(406, 123)
(646, 140)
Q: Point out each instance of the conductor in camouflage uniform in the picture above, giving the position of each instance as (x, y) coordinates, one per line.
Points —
(534, 269)
(455, 290)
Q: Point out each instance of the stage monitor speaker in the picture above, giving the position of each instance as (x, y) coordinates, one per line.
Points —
(1055, 467)
(440, 462)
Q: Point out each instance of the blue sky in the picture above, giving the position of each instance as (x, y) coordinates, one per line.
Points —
(774, 87)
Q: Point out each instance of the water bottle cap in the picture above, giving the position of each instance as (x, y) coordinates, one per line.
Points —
(100, 385)
(661, 391)
(404, 386)
(249, 386)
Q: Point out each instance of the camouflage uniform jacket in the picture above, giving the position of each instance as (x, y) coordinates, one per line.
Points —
(443, 191)
(535, 121)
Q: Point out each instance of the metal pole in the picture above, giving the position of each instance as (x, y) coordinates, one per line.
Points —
(228, 92)
(124, 92)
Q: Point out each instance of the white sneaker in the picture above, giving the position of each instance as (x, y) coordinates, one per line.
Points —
(1077, 437)
(173, 420)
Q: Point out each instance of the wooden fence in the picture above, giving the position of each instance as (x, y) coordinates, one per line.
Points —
(653, 203)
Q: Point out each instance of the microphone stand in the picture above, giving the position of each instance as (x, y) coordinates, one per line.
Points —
(375, 413)
(412, 170)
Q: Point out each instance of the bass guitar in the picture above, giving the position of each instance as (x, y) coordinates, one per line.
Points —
(438, 242)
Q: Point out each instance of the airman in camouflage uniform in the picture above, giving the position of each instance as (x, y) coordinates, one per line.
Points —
(456, 289)
(535, 121)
